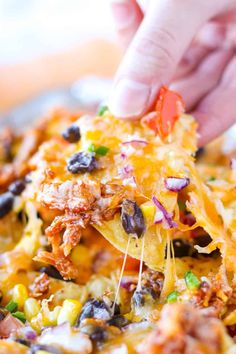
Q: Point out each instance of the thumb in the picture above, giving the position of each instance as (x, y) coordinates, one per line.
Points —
(166, 31)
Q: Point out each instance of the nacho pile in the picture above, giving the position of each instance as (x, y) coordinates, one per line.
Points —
(117, 236)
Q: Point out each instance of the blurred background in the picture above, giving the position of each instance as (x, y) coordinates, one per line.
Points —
(55, 53)
(48, 45)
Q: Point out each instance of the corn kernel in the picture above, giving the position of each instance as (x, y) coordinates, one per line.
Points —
(42, 352)
(230, 319)
(148, 210)
(37, 323)
(31, 308)
(69, 312)
(19, 295)
(50, 317)
(94, 135)
(80, 255)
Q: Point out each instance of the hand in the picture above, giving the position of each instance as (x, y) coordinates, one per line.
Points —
(188, 44)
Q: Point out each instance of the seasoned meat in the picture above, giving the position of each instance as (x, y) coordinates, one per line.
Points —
(184, 330)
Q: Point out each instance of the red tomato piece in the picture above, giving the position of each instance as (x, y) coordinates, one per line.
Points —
(169, 107)
(132, 264)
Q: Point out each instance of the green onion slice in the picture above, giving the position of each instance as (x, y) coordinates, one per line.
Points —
(192, 282)
(91, 148)
(172, 297)
(100, 150)
(11, 306)
(20, 316)
(102, 109)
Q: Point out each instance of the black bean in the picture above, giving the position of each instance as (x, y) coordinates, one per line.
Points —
(48, 348)
(6, 203)
(199, 152)
(183, 248)
(118, 321)
(116, 309)
(95, 309)
(98, 335)
(202, 240)
(51, 272)
(231, 330)
(17, 187)
(143, 296)
(3, 313)
(82, 162)
(95, 332)
(72, 134)
(138, 299)
(132, 218)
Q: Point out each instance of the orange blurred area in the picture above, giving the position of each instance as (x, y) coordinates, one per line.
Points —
(132, 264)
(22, 81)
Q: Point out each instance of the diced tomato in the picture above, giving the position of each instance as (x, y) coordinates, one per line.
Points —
(131, 264)
(169, 107)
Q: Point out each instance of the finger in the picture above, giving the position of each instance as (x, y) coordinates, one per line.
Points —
(127, 17)
(193, 56)
(154, 53)
(196, 85)
(210, 37)
(143, 4)
(216, 112)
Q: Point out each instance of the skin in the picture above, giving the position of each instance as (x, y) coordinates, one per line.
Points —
(187, 44)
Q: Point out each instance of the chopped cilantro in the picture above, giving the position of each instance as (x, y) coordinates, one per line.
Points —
(192, 282)
(92, 148)
(102, 109)
(11, 306)
(100, 150)
(212, 178)
(20, 316)
(172, 297)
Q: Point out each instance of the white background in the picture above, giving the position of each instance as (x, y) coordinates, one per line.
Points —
(29, 28)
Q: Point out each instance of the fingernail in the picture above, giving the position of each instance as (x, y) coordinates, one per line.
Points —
(129, 98)
(122, 12)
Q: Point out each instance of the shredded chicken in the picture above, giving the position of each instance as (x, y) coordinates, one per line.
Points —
(40, 285)
(73, 196)
(184, 330)
(62, 263)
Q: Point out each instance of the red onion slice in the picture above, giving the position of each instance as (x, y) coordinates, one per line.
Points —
(130, 181)
(129, 283)
(135, 142)
(158, 218)
(176, 184)
(126, 171)
(9, 325)
(167, 217)
(31, 335)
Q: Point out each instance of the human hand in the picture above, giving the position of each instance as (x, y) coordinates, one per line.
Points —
(188, 44)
